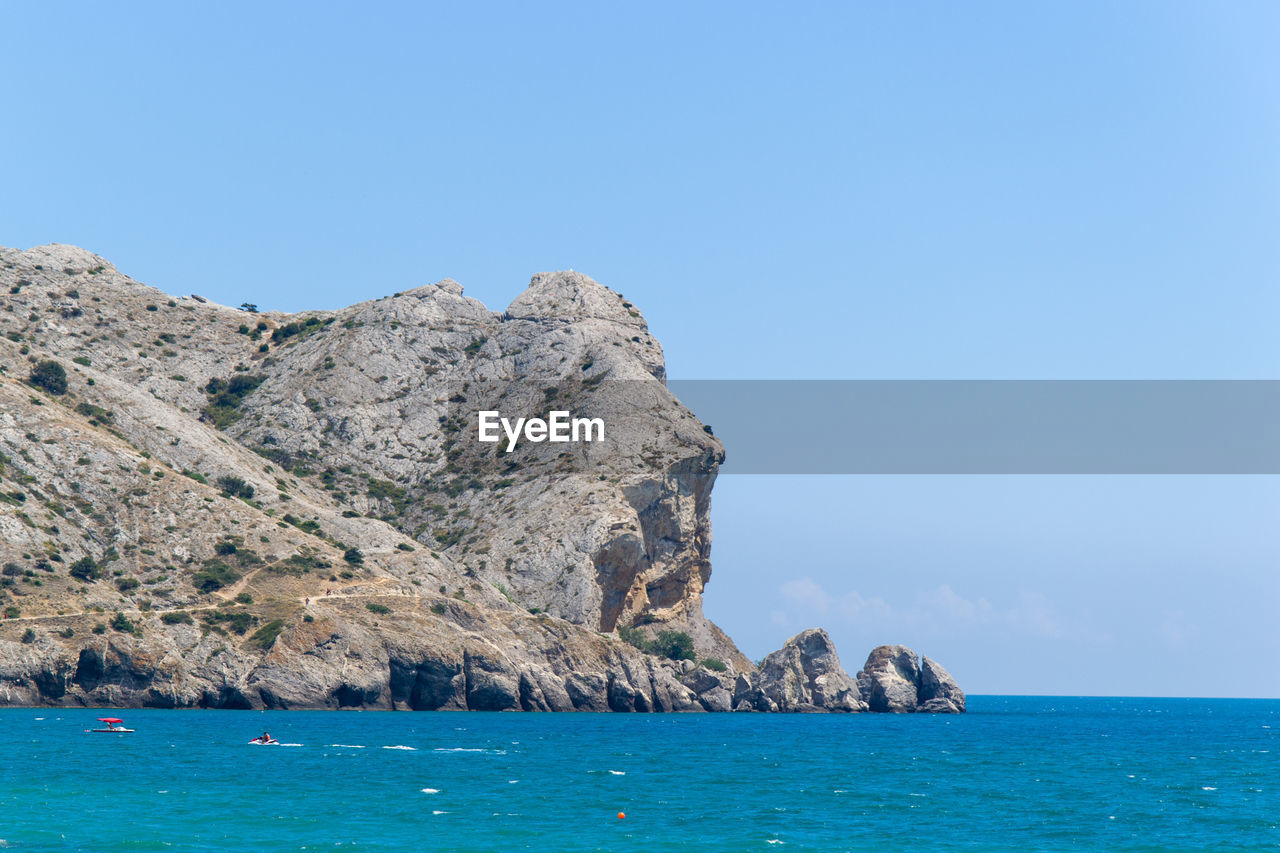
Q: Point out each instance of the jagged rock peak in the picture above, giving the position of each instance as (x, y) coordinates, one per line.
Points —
(806, 675)
(444, 285)
(938, 691)
(440, 302)
(573, 296)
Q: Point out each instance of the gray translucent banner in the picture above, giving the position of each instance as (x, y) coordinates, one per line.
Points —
(990, 427)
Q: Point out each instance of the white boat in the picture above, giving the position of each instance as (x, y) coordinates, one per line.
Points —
(113, 726)
(264, 740)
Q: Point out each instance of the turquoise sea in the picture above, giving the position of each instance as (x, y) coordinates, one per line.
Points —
(1015, 773)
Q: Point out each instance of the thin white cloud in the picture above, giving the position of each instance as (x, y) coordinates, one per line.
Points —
(1032, 614)
(805, 592)
(946, 603)
(854, 608)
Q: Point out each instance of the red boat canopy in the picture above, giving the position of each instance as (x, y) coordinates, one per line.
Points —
(111, 720)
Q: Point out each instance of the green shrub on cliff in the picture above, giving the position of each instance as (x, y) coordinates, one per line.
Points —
(265, 636)
(298, 328)
(85, 569)
(676, 645)
(234, 487)
(50, 376)
(96, 414)
(214, 574)
(238, 622)
(225, 397)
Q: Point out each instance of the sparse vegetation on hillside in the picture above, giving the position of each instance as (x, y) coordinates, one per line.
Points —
(214, 574)
(299, 329)
(306, 525)
(234, 487)
(86, 569)
(676, 645)
(226, 395)
(299, 564)
(237, 622)
(265, 636)
(50, 376)
(95, 414)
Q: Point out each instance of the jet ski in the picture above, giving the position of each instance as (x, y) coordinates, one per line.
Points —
(265, 740)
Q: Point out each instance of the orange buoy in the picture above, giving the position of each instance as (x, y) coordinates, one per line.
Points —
(622, 815)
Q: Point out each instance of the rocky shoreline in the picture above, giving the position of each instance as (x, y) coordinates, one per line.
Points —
(804, 676)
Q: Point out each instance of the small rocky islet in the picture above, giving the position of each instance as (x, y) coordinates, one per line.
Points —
(208, 506)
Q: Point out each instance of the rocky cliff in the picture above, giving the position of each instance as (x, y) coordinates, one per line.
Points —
(210, 506)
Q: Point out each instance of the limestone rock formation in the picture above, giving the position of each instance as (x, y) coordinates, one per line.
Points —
(938, 692)
(892, 680)
(889, 678)
(804, 675)
(213, 507)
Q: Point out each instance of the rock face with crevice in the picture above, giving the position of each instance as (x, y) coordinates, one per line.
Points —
(228, 508)
(804, 675)
(894, 679)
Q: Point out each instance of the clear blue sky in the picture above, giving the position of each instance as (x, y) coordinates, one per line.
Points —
(858, 190)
